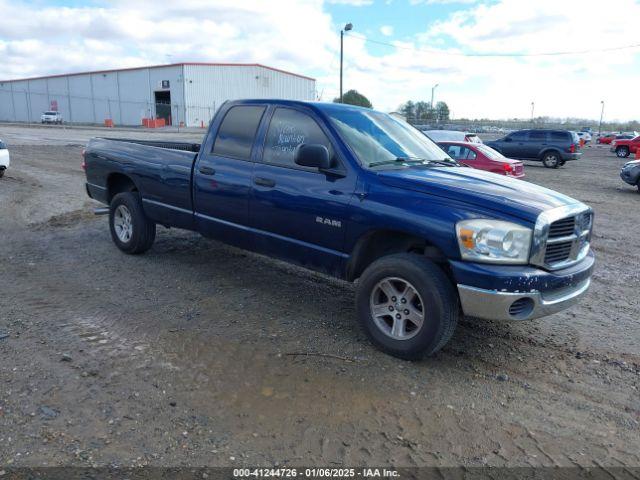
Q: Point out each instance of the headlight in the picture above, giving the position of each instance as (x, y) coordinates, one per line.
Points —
(493, 241)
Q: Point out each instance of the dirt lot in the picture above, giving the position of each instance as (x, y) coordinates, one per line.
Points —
(194, 354)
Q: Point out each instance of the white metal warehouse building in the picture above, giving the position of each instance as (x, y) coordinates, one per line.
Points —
(182, 93)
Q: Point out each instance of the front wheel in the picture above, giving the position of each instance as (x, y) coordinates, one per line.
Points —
(407, 306)
(551, 160)
(622, 152)
(131, 230)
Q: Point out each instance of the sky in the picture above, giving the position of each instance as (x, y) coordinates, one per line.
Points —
(488, 57)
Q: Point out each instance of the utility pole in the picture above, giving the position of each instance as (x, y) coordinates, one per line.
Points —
(601, 114)
(347, 27)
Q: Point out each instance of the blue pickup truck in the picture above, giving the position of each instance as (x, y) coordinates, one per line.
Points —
(362, 196)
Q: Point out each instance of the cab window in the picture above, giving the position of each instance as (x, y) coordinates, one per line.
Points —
(237, 132)
(288, 129)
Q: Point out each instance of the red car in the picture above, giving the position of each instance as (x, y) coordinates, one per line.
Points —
(624, 147)
(482, 157)
(606, 138)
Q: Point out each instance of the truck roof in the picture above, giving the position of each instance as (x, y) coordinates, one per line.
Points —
(320, 106)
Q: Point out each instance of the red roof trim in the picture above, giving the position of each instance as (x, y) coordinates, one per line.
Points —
(162, 66)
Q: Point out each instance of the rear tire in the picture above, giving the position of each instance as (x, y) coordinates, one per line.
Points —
(421, 291)
(131, 230)
(622, 152)
(1, 172)
(551, 160)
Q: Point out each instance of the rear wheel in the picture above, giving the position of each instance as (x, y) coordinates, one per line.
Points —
(551, 160)
(622, 152)
(407, 306)
(1, 172)
(131, 230)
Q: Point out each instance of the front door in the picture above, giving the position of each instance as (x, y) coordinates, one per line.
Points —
(513, 146)
(536, 142)
(298, 213)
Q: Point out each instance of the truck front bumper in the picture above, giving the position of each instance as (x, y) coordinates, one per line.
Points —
(519, 293)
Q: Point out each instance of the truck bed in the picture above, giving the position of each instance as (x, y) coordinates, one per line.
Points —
(186, 146)
(160, 170)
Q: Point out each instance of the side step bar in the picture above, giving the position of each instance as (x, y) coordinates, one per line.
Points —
(101, 211)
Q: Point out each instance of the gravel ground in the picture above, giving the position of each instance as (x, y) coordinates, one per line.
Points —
(204, 355)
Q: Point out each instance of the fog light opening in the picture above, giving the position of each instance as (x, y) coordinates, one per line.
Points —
(521, 308)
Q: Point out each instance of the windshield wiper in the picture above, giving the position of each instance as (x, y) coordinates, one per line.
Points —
(448, 163)
(398, 160)
(416, 160)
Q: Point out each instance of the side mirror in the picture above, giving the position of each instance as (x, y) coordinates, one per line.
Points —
(312, 155)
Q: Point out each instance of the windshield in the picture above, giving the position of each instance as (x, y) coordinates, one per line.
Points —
(377, 138)
(50, 113)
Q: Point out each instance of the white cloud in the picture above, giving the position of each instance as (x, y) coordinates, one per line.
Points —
(302, 37)
(386, 30)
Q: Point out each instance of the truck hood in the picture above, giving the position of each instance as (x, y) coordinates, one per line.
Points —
(476, 187)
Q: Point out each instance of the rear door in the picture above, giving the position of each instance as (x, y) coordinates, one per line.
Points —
(298, 213)
(223, 175)
(562, 140)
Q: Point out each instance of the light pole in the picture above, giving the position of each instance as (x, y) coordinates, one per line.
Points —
(346, 28)
(601, 114)
(433, 90)
(533, 106)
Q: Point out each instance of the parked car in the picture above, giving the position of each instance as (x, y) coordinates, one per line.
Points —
(51, 117)
(451, 136)
(482, 157)
(5, 161)
(630, 173)
(606, 139)
(356, 194)
(623, 147)
(586, 136)
(552, 147)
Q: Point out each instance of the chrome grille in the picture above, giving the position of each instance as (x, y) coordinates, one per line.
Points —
(562, 228)
(558, 252)
(562, 236)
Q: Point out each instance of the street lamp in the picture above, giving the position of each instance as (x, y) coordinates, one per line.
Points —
(601, 114)
(533, 106)
(432, 90)
(346, 28)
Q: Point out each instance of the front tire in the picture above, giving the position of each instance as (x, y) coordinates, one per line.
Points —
(407, 306)
(131, 230)
(551, 160)
(622, 152)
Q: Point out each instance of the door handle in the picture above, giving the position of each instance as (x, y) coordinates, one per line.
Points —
(207, 170)
(264, 182)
